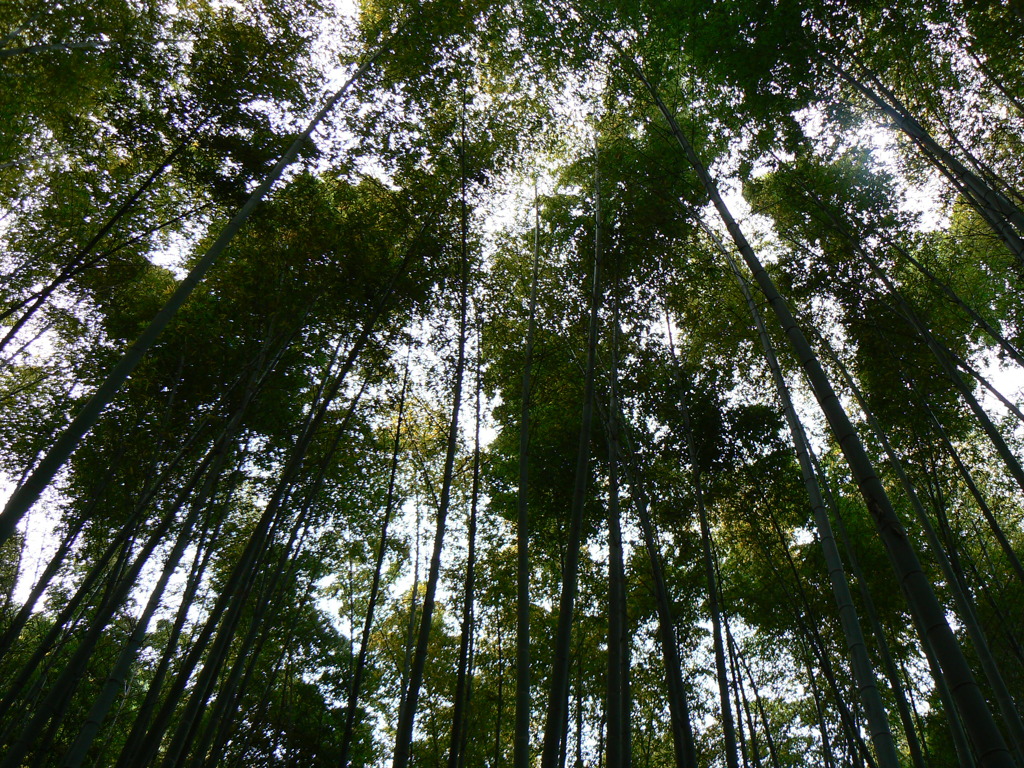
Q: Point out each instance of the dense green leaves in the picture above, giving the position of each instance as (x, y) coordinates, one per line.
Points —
(243, 468)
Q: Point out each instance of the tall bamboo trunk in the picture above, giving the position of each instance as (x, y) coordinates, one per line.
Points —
(808, 623)
(721, 674)
(244, 576)
(556, 721)
(462, 675)
(978, 719)
(617, 709)
(773, 752)
(521, 742)
(743, 704)
(55, 703)
(218, 631)
(28, 492)
(407, 709)
(961, 597)
(144, 713)
(500, 715)
(389, 503)
(118, 675)
(683, 741)
(201, 742)
(881, 734)
(906, 712)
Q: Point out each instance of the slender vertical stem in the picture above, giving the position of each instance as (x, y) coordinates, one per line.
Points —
(881, 734)
(558, 700)
(978, 719)
(26, 494)
(407, 710)
(728, 725)
(521, 743)
(389, 505)
(617, 708)
(462, 675)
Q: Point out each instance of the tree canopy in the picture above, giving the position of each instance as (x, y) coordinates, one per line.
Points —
(456, 383)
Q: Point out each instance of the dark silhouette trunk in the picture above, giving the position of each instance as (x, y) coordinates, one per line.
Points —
(921, 598)
(556, 720)
(728, 726)
(499, 719)
(521, 745)
(878, 723)
(244, 577)
(896, 684)
(743, 704)
(808, 622)
(617, 708)
(28, 492)
(152, 698)
(462, 675)
(407, 709)
(683, 741)
(47, 717)
(234, 595)
(389, 504)
(202, 743)
(773, 755)
(961, 597)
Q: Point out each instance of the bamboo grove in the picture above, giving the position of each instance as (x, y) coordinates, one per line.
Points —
(533, 383)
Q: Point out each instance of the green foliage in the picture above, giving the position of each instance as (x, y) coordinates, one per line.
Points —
(131, 131)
